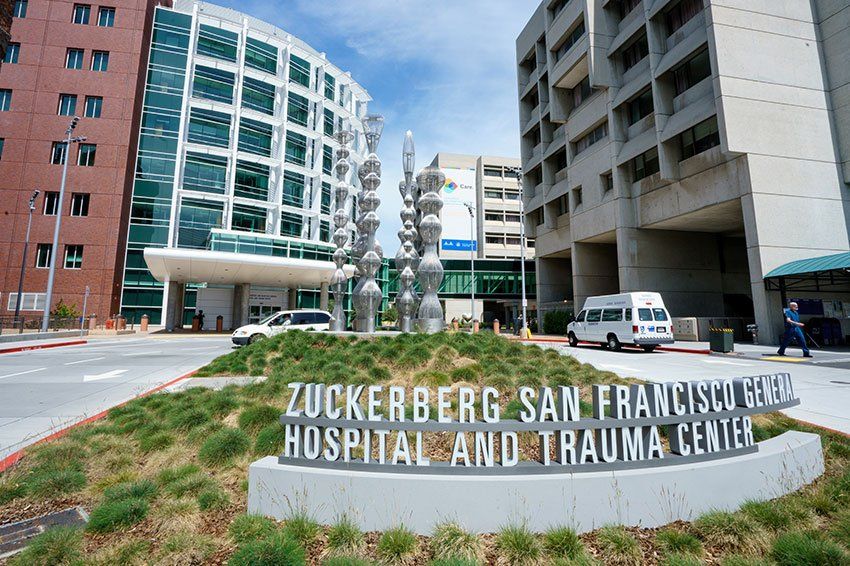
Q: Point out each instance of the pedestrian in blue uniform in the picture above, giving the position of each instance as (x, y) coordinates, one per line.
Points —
(793, 329)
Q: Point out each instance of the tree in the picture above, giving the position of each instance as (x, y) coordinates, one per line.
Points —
(390, 315)
(64, 310)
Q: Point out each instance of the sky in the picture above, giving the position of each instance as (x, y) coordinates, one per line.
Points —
(444, 69)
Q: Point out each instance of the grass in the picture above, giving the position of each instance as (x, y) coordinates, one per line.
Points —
(60, 546)
(517, 545)
(397, 545)
(619, 546)
(160, 471)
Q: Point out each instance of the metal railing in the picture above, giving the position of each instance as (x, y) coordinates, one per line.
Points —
(9, 324)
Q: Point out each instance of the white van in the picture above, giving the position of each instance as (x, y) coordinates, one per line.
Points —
(628, 318)
(308, 319)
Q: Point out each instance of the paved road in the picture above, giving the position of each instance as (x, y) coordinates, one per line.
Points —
(43, 390)
(824, 391)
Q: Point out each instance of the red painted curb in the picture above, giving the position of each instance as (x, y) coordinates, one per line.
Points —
(42, 346)
(13, 458)
(665, 348)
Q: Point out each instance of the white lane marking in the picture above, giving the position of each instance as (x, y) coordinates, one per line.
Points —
(832, 361)
(624, 368)
(84, 361)
(143, 353)
(22, 372)
(105, 375)
(724, 362)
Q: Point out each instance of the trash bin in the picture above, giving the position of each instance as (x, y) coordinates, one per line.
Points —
(721, 339)
(219, 323)
(196, 323)
(144, 324)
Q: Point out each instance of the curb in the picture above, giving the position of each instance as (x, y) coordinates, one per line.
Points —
(42, 347)
(13, 458)
(662, 348)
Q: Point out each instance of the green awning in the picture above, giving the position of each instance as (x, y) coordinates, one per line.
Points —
(812, 265)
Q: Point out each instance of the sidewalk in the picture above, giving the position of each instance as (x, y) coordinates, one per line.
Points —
(684, 347)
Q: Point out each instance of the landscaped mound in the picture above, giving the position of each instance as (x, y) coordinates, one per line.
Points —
(164, 478)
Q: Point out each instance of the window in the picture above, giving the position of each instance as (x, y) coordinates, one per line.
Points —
(490, 239)
(290, 224)
(700, 138)
(85, 158)
(626, 7)
(511, 195)
(67, 105)
(612, 315)
(659, 314)
(327, 160)
(42, 255)
(209, 127)
(197, 218)
(255, 137)
(538, 216)
(635, 53)
(80, 204)
(293, 189)
(217, 43)
(628, 315)
(692, 71)
(645, 164)
(325, 205)
(558, 7)
(577, 197)
(57, 153)
(330, 87)
(569, 41)
(645, 315)
(494, 216)
(12, 52)
(296, 149)
(29, 301)
(252, 180)
(81, 14)
(329, 122)
(681, 14)
(493, 193)
(299, 71)
(74, 59)
(2, 143)
(512, 217)
(5, 99)
(594, 315)
(563, 204)
(20, 10)
(51, 203)
(640, 106)
(298, 109)
(249, 218)
(213, 84)
(99, 60)
(94, 105)
(492, 172)
(106, 17)
(607, 182)
(205, 173)
(260, 56)
(581, 92)
(258, 95)
(580, 317)
(592, 137)
(512, 241)
(73, 257)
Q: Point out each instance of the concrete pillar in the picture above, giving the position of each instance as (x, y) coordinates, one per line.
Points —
(323, 297)
(293, 299)
(241, 309)
(594, 271)
(175, 293)
(285, 301)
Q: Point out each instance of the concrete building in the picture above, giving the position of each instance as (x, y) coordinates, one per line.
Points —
(684, 146)
(231, 202)
(69, 59)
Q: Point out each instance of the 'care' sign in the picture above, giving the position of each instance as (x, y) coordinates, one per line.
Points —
(631, 426)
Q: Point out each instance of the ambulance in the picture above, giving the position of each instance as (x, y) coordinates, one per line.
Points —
(628, 318)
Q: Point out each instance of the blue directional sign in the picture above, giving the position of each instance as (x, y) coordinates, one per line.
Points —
(460, 245)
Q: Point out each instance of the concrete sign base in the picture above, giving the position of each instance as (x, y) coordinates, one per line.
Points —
(646, 497)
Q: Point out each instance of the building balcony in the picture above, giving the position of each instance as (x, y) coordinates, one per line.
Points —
(690, 27)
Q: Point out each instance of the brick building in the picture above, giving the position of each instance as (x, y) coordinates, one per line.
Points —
(68, 59)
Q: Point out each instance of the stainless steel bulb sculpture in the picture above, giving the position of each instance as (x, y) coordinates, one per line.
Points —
(339, 281)
(407, 259)
(367, 293)
(430, 317)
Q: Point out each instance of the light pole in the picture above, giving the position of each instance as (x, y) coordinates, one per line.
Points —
(24, 258)
(471, 210)
(518, 172)
(54, 251)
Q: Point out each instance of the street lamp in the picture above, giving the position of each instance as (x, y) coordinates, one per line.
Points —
(471, 210)
(518, 172)
(24, 258)
(45, 322)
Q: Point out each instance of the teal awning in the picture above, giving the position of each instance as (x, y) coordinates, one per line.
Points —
(812, 265)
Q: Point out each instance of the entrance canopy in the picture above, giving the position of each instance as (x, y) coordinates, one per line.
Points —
(813, 274)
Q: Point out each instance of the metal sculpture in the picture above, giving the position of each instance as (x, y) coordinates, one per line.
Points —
(339, 281)
(430, 181)
(367, 293)
(407, 258)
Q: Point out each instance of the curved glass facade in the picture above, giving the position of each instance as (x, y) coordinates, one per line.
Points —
(236, 134)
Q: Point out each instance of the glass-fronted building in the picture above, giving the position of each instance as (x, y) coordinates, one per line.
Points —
(235, 150)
